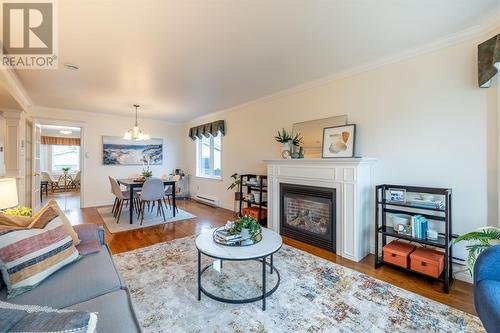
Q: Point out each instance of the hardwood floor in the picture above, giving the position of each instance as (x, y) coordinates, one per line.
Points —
(460, 296)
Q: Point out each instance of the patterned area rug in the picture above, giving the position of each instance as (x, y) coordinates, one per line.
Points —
(150, 219)
(315, 295)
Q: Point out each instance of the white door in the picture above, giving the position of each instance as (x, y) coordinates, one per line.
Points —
(37, 141)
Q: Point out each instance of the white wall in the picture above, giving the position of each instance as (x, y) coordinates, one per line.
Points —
(424, 119)
(96, 189)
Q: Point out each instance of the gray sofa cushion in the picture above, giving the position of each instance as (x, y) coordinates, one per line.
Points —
(114, 312)
(91, 276)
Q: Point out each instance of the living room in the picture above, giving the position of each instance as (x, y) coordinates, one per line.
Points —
(206, 90)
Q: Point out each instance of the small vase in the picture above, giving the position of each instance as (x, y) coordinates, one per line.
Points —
(245, 233)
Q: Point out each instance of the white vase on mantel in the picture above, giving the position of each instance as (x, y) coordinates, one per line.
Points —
(284, 149)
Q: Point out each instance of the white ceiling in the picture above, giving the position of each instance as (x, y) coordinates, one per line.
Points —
(184, 58)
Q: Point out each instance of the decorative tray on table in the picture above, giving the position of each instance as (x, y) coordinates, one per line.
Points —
(221, 236)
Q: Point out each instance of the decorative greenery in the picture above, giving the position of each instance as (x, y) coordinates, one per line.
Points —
(481, 240)
(246, 222)
(65, 169)
(147, 173)
(236, 181)
(283, 136)
(18, 211)
(297, 139)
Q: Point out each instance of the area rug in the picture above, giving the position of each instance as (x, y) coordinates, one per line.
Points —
(315, 295)
(150, 219)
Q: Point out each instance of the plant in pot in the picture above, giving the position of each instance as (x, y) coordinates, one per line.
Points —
(235, 184)
(479, 240)
(247, 226)
(147, 173)
(284, 138)
(65, 169)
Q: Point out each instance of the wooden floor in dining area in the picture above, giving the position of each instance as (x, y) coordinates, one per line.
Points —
(460, 296)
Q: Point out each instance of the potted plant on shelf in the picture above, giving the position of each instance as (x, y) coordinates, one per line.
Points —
(65, 169)
(247, 226)
(284, 138)
(295, 149)
(479, 240)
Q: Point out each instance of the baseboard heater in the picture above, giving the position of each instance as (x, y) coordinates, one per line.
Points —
(206, 200)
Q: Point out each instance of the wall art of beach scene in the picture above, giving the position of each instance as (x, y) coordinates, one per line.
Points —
(118, 151)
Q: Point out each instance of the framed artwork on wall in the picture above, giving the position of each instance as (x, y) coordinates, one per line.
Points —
(118, 151)
(339, 141)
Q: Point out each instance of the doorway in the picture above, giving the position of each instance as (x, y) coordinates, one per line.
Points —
(61, 166)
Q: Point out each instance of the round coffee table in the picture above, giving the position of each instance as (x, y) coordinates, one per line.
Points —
(271, 243)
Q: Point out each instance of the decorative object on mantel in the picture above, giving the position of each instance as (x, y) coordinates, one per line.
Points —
(291, 145)
(208, 129)
(488, 58)
(135, 133)
(118, 151)
(339, 141)
(481, 239)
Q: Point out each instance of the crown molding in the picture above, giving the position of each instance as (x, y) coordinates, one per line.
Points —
(16, 88)
(489, 25)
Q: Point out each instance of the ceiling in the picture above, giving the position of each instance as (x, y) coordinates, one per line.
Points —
(181, 59)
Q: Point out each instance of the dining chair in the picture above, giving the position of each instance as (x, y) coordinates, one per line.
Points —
(121, 197)
(168, 192)
(75, 181)
(53, 183)
(153, 191)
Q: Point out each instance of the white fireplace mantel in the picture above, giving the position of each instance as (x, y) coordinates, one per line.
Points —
(353, 181)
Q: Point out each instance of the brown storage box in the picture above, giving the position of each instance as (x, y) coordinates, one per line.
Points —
(397, 253)
(254, 212)
(427, 261)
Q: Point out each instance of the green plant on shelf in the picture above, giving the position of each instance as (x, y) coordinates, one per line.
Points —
(479, 240)
(283, 136)
(297, 140)
(246, 222)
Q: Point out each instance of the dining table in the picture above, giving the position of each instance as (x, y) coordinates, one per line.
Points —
(132, 184)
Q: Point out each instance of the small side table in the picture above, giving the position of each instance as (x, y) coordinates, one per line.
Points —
(271, 243)
(44, 186)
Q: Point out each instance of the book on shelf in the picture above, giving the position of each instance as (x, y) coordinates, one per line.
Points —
(419, 226)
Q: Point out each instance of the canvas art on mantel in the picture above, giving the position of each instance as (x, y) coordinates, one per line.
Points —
(118, 151)
(339, 141)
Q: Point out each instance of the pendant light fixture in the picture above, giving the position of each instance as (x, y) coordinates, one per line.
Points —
(136, 133)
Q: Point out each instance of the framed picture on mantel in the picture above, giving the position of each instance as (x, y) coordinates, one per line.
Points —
(339, 141)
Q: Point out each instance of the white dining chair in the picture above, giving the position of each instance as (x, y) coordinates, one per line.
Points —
(121, 197)
(153, 191)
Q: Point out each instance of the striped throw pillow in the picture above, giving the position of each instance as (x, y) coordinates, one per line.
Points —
(29, 256)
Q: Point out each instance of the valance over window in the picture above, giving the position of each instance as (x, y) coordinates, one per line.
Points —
(488, 58)
(60, 141)
(207, 129)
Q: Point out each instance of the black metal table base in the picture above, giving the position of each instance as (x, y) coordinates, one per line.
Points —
(265, 293)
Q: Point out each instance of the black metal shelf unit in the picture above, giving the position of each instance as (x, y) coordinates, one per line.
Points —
(383, 206)
(247, 187)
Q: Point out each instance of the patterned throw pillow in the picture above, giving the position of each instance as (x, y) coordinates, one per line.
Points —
(53, 204)
(29, 256)
(34, 318)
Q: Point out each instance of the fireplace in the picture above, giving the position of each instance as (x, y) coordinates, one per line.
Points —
(308, 214)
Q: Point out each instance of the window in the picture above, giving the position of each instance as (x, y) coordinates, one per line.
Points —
(208, 157)
(55, 157)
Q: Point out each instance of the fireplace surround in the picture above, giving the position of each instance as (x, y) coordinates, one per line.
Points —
(351, 181)
(308, 214)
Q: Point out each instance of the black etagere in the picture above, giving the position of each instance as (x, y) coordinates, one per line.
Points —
(247, 187)
(383, 206)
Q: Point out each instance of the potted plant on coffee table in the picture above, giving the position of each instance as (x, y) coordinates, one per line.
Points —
(247, 227)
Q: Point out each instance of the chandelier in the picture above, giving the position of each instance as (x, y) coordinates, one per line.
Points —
(136, 133)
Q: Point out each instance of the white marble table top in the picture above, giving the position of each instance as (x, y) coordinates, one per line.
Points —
(270, 243)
